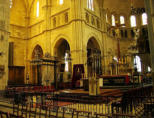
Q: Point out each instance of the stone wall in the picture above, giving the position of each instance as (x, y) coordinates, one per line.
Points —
(71, 21)
(150, 10)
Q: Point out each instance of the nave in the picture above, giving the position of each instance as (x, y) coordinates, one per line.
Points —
(46, 102)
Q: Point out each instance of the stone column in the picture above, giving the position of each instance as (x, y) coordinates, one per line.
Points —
(4, 35)
(150, 11)
(78, 51)
(27, 62)
(104, 37)
(47, 69)
(47, 25)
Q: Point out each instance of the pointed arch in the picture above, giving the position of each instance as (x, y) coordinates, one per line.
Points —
(57, 39)
(37, 52)
(93, 57)
(60, 47)
(93, 35)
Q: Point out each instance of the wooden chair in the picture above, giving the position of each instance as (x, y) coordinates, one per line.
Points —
(9, 115)
(84, 112)
(15, 109)
(64, 111)
(24, 110)
(39, 106)
(53, 109)
(4, 114)
(32, 111)
(14, 116)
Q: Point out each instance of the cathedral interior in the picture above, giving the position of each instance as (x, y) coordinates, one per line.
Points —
(76, 58)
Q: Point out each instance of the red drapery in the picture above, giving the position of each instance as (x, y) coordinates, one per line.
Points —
(78, 70)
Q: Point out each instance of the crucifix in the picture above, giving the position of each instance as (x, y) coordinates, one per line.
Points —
(117, 36)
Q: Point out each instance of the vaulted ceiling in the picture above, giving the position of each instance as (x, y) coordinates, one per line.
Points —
(112, 5)
(28, 4)
(122, 5)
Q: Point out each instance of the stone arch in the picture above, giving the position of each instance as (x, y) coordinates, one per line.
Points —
(37, 51)
(93, 56)
(36, 72)
(62, 52)
(95, 37)
(60, 47)
(58, 40)
(92, 43)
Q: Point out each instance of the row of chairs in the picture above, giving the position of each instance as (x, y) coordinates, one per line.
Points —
(8, 115)
(33, 111)
(132, 98)
(115, 115)
(11, 91)
(47, 111)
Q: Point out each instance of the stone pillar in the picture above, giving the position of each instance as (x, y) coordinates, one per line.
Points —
(78, 51)
(104, 37)
(47, 25)
(27, 63)
(4, 35)
(150, 11)
(47, 70)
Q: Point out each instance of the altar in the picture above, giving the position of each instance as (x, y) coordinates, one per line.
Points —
(116, 79)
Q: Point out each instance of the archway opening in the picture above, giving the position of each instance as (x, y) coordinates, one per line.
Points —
(37, 54)
(61, 48)
(62, 52)
(93, 57)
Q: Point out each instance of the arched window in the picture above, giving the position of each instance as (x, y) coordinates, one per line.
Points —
(90, 4)
(133, 21)
(61, 2)
(37, 9)
(122, 20)
(66, 62)
(113, 20)
(144, 19)
(11, 3)
(149, 69)
(137, 63)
